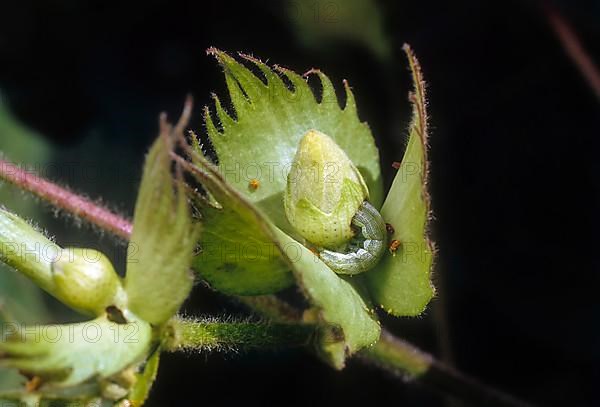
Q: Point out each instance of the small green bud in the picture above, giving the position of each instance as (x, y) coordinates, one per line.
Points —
(85, 280)
(324, 191)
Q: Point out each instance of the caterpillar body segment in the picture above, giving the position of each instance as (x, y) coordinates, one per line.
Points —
(366, 250)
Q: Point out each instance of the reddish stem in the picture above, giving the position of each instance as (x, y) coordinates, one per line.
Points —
(64, 199)
(574, 48)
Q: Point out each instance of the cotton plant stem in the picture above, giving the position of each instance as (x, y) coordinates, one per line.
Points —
(272, 308)
(391, 354)
(405, 360)
(207, 335)
(574, 48)
(64, 199)
(398, 356)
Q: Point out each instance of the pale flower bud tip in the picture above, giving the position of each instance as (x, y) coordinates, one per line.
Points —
(324, 191)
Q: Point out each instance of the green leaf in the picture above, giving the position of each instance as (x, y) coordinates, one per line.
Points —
(163, 239)
(347, 320)
(261, 142)
(401, 284)
(70, 354)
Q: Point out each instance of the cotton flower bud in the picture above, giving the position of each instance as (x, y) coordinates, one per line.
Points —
(85, 280)
(324, 191)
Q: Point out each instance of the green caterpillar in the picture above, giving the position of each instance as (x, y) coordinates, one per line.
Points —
(369, 249)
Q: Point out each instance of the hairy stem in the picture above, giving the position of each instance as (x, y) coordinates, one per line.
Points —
(271, 307)
(391, 354)
(398, 356)
(64, 199)
(195, 334)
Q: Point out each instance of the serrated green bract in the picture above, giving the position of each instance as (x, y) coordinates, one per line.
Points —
(401, 284)
(261, 142)
(238, 254)
(163, 239)
(70, 354)
(255, 152)
(347, 322)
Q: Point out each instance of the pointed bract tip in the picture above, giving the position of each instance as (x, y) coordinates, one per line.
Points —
(281, 69)
(312, 71)
(213, 51)
(350, 102)
(222, 57)
(250, 58)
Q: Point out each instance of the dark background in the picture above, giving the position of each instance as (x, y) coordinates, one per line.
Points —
(514, 152)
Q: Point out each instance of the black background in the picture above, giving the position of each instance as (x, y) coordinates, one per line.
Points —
(514, 151)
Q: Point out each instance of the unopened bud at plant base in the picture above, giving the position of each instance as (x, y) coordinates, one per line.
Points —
(85, 280)
(324, 191)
